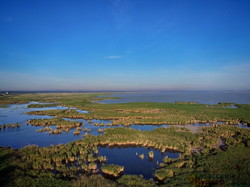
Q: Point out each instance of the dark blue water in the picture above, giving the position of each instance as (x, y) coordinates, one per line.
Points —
(239, 97)
(133, 164)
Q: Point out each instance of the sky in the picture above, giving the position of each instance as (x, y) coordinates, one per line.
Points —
(124, 45)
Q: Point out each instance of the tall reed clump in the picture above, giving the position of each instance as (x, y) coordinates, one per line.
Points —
(151, 154)
(77, 132)
(62, 125)
(112, 169)
(11, 125)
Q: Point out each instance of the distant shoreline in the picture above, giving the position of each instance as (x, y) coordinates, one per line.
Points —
(117, 91)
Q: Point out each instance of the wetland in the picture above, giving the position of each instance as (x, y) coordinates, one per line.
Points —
(73, 139)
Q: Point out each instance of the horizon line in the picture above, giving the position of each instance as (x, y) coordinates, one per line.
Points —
(122, 90)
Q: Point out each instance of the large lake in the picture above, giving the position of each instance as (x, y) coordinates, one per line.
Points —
(240, 97)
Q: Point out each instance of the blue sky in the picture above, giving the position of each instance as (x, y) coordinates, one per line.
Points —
(125, 45)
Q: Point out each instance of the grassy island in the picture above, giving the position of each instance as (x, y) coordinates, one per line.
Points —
(113, 170)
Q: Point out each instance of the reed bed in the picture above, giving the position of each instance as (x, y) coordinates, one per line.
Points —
(112, 169)
(158, 113)
(202, 156)
(13, 125)
(62, 125)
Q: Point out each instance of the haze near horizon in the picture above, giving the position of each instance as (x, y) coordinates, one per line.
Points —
(124, 45)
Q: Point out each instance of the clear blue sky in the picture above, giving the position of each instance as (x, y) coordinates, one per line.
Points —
(124, 44)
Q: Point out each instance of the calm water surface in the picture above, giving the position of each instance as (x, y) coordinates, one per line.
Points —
(171, 97)
(133, 164)
(26, 134)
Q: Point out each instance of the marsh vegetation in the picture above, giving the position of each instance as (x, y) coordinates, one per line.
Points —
(213, 155)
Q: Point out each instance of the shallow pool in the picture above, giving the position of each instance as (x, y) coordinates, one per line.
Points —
(133, 164)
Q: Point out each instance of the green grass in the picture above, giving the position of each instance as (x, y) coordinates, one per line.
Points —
(62, 125)
(213, 166)
(112, 169)
(135, 180)
(160, 138)
(135, 113)
(230, 168)
(42, 105)
(51, 122)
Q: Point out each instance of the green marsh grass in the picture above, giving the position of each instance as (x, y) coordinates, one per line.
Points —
(112, 169)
